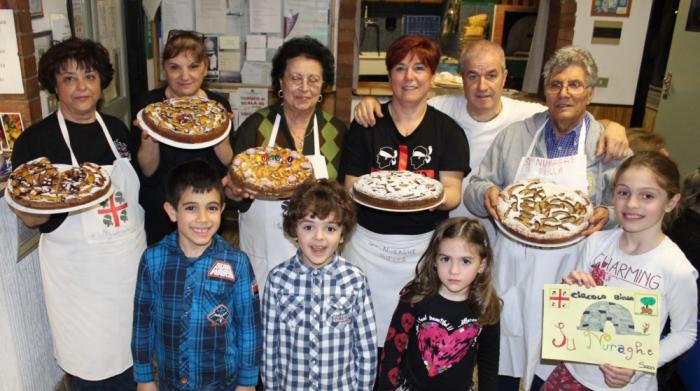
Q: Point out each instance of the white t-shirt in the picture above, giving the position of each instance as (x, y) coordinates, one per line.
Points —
(665, 269)
(481, 134)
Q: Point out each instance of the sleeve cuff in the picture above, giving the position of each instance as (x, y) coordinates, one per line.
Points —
(143, 373)
(248, 377)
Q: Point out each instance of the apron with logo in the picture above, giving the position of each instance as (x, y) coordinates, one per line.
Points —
(261, 234)
(389, 262)
(89, 266)
(521, 271)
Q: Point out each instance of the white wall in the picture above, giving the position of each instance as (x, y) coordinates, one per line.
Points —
(49, 7)
(619, 63)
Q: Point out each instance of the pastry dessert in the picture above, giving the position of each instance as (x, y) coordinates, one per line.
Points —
(188, 120)
(38, 184)
(271, 171)
(397, 190)
(543, 212)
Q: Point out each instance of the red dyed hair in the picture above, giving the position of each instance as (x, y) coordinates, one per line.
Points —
(425, 49)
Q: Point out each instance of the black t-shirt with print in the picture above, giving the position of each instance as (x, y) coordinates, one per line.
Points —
(87, 142)
(438, 144)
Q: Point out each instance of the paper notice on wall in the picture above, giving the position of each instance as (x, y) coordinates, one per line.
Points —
(176, 15)
(246, 101)
(211, 16)
(10, 71)
(60, 29)
(229, 42)
(310, 18)
(256, 73)
(230, 61)
(266, 16)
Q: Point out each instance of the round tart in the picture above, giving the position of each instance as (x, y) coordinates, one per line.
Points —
(397, 190)
(543, 212)
(189, 120)
(38, 184)
(271, 171)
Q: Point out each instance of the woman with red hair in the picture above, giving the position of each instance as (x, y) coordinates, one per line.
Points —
(411, 136)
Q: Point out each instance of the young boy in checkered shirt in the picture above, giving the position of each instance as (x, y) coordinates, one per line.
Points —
(319, 331)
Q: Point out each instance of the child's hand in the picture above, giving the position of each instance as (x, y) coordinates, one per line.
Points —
(616, 377)
(597, 221)
(580, 278)
(147, 387)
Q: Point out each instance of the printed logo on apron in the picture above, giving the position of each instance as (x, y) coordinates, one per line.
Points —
(113, 210)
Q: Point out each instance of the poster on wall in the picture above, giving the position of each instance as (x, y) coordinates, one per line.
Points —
(11, 75)
(693, 23)
(12, 127)
(611, 7)
(619, 326)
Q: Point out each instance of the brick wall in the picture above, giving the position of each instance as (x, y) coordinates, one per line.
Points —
(28, 104)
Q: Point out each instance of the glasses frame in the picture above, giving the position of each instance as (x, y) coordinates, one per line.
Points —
(555, 90)
(300, 82)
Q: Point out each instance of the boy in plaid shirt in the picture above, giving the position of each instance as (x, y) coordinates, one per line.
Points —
(319, 331)
(196, 304)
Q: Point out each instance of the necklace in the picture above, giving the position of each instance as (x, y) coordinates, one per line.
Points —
(299, 139)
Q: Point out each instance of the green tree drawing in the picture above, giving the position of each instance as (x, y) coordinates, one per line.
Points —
(648, 301)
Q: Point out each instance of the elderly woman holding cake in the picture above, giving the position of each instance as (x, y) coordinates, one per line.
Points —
(411, 136)
(557, 146)
(301, 69)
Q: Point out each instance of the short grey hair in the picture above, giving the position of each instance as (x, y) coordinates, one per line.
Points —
(568, 56)
(472, 50)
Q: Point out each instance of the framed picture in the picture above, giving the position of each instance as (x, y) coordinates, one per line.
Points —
(42, 43)
(693, 23)
(35, 8)
(611, 7)
(12, 127)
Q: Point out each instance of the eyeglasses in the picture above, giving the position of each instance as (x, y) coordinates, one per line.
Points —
(297, 80)
(172, 34)
(573, 87)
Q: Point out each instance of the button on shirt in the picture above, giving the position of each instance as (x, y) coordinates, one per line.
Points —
(199, 319)
(319, 331)
(566, 145)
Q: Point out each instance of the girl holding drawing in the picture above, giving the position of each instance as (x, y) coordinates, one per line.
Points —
(646, 192)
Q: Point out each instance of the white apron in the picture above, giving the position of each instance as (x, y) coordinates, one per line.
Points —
(89, 266)
(260, 227)
(521, 271)
(389, 262)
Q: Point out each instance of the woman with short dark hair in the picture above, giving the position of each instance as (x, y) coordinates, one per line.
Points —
(89, 258)
(301, 69)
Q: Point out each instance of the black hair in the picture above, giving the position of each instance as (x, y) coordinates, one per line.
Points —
(306, 47)
(201, 176)
(87, 54)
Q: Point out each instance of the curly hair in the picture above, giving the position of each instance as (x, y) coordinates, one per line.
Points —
(319, 200)
(304, 47)
(482, 295)
(87, 54)
(425, 49)
(568, 56)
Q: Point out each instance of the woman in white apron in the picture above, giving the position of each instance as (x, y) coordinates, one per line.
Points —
(557, 146)
(411, 136)
(300, 69)
(89, 258)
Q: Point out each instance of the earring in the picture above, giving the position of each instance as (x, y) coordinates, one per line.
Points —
(280, 93)
(320, 98)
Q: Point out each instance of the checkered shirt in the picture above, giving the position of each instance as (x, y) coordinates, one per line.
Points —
(319, 331)
(566, 145)
(203, 329)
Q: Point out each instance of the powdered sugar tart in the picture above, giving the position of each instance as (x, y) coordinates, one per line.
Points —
(398, 191)
(543, 212)
(271, 171)
(187, 120)
(40, 185)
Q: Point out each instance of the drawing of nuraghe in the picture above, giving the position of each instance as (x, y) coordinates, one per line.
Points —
(595, 316)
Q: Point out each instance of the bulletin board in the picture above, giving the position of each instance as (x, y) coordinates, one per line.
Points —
(242, 36)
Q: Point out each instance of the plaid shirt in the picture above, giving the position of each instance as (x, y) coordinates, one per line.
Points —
(567, 144)
(198, 315)
(319, 331)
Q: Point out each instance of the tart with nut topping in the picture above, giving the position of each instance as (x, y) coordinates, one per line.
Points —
(271, 172)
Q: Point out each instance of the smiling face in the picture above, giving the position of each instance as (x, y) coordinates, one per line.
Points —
(78, 91)
(640, 203)
(458, 264)
(567, 106)
(483, 79)
(301, 84)
(198, 217)
(184, 74)
(318, 239)
(410, 80)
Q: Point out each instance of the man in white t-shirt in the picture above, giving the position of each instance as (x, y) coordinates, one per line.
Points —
(483, 112)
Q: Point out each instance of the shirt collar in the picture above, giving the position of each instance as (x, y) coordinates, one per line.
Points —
(173, 246)
(549, 130)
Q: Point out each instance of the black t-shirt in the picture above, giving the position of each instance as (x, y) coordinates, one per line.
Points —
(438, 144)
(435, 344)
(152, 194)
(87, 141)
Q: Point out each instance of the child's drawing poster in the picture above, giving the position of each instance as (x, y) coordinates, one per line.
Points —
(599, 325)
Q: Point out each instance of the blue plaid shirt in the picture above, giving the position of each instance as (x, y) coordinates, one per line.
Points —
(200, 316)
(319, 330)
(567, 145)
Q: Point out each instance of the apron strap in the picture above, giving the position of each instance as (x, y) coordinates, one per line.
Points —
(275, 129)
(317, 143)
